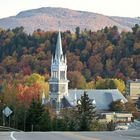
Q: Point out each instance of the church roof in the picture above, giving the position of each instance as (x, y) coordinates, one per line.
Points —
(102, 98)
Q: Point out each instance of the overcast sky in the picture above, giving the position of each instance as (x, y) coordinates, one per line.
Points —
(126, 8)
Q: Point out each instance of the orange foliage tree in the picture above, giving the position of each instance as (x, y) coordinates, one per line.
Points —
(26, 94)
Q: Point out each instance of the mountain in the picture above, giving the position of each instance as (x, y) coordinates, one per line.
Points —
(47, 18)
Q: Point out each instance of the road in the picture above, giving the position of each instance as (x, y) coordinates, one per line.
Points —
(117, 135)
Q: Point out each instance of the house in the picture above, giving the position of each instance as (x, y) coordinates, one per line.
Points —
(116, 117)
(133, 89)
(61, 97)
(120, 121)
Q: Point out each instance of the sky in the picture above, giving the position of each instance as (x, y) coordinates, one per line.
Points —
(124, 8)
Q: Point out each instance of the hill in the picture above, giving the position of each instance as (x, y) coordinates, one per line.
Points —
(47, 19)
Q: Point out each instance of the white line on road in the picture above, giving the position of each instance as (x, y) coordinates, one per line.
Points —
(13, 138)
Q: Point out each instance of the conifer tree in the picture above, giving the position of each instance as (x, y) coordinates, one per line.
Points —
(45, 121)
(86, 112)
(34, 115)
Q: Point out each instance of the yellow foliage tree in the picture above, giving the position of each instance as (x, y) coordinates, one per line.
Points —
(38, 79)
(120, 85)
(34, 78)
(90, 85)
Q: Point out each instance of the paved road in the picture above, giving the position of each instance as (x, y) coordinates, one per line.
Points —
(118, 135)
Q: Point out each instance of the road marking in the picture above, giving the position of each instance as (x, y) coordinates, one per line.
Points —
(13, 138)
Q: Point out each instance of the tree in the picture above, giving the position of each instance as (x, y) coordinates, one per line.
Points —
(86, 112)
(34, 78)
(120, 85)
(90, 85)
(74, 63)
(26, 94)
(130, 107)
(135, 28)
(58, 124)
(97, 126)
(77, 31)
(77, 80)
(95, 64)
(45, 123)
(37, 79)
(111, 126)
(111, 84)
(34, 114)
(70, 119)
(109, 51)
(105, 84)
(117, 106)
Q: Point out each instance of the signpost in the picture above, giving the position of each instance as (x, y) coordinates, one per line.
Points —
(6, 112)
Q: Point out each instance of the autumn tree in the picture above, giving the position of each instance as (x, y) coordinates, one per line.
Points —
(117, 106)
(131, 108)
(76, 79)
(95, 64)
(120, 85)
(111, 84)
(26, 94)
(105, 84)
(39, 80)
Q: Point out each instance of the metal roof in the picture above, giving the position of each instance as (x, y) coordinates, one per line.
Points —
(103, 97)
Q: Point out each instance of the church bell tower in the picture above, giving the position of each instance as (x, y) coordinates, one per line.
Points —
(58, 82)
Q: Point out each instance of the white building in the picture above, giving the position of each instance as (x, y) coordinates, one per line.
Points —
(133, 89)
(60, 96)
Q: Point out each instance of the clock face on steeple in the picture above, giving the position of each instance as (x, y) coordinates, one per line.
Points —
(53, 87)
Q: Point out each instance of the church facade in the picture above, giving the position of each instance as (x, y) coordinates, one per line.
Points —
(59, 92)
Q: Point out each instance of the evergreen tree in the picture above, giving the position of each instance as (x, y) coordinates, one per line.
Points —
(58, 124)
(45, 121)
(86, 112)
(70, 117)
(34, 114)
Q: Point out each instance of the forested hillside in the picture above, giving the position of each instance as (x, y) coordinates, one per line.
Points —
(92, 57)
(105, 53)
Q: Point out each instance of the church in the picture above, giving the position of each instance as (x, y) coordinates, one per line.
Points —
(62, 97)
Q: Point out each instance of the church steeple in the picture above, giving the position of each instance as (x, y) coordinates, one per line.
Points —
(59, 52)
(58, 81)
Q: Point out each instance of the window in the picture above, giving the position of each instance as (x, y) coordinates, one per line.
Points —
(62, 74)
(55, 74)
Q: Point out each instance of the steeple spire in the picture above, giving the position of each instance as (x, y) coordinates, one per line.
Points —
(59, 51)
